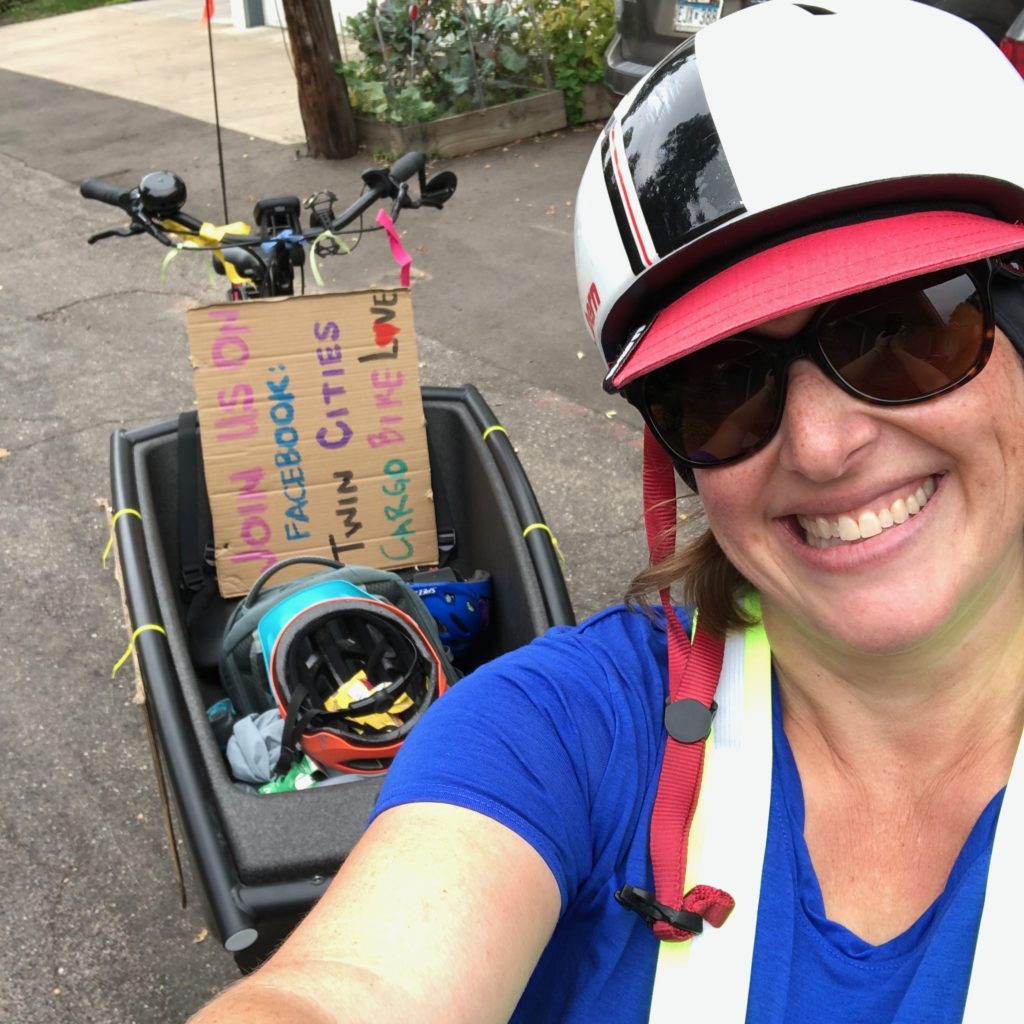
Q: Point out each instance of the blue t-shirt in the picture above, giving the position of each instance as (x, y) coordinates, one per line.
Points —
(562, 741)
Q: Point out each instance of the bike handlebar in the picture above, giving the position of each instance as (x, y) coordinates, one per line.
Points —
(113, 195)
(406, 166)
(160, 196)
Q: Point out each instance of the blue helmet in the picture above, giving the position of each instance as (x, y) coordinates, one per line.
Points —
(461, 607)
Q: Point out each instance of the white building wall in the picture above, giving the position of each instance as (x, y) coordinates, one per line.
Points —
(273, 12)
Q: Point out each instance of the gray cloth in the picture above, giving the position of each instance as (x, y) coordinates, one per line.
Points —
(255, 746)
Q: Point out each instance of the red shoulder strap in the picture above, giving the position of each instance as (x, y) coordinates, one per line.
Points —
(693, 671)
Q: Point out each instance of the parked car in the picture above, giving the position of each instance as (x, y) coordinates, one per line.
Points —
(1012, 44)
(649, 30)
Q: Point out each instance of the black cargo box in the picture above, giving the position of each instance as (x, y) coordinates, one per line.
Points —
(262, 861)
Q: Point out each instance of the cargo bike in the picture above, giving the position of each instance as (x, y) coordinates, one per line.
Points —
(261, 861)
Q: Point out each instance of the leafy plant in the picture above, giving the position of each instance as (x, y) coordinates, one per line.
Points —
(432, 58)
(370, 96)
(575, 36)
(437, 57)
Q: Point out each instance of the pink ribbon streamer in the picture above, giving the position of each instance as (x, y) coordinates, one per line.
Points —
(402, 257)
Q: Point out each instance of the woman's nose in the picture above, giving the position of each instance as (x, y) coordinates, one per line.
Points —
(824, 431)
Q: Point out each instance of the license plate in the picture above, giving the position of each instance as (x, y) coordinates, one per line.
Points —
(695, 14)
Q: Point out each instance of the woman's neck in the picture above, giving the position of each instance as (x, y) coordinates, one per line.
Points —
(964, 682)
(898, 754)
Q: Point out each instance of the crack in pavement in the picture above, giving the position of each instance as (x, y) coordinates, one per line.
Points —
(53, 314)
(63, 435)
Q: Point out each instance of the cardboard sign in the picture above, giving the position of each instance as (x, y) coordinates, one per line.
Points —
(313, 433)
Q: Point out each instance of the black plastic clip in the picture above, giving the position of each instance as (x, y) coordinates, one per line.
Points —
(192, 578)
(641, 902)
(687, 720)
(445, 542)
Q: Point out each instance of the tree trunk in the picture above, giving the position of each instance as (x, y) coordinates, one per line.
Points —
(323, 97)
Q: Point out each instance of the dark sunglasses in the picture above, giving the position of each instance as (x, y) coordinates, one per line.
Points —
(902, 343)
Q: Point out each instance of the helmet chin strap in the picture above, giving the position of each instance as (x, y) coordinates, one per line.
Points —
(693, 671)
(660, 524)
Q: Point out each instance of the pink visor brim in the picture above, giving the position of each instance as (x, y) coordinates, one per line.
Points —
(813, 269)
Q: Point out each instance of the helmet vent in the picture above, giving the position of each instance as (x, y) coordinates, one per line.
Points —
(810, 9)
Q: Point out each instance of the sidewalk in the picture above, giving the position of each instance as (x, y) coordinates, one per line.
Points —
(163, 60)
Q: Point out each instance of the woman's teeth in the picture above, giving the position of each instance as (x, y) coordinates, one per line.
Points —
(827, 533)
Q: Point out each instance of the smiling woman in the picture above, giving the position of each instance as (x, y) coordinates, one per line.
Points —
(814, 298)
(827, 345)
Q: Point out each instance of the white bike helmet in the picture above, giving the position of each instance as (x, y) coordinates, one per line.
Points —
(878, 139)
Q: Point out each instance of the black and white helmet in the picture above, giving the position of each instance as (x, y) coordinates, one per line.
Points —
(775, 121)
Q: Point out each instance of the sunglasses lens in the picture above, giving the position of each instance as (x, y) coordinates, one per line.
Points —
(716, 404)
(908, 341)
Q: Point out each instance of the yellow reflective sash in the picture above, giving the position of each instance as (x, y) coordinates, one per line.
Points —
(727, 841)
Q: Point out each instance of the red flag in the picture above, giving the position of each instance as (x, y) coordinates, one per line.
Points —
(207, 10)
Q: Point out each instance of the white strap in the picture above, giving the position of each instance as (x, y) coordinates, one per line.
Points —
(997, 956)
(727, 842)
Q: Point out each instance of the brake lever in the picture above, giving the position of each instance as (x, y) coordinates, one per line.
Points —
(149, 225)
(404, 199)
(133, 229)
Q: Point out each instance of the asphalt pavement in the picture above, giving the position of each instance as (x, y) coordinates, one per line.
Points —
(94, 340)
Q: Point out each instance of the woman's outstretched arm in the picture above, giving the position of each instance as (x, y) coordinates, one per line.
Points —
(439, 914)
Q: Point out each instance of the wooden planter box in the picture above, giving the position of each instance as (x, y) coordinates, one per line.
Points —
(597, 105)
(472, 131)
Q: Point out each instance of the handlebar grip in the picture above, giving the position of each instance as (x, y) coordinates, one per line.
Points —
(406, 166)
(114, 195)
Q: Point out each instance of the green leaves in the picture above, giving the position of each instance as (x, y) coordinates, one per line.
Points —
(455, 55)
(512, 60)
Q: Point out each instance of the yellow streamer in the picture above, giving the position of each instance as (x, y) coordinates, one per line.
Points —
(323, 237)
(209, 237)
(131, 645)
(496, 426)
(554, 539)
(171, 253)
(113, 522)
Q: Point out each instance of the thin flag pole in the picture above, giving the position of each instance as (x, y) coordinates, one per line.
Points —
(208, 18)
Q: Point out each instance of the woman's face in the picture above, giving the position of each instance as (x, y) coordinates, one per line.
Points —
(928, 501)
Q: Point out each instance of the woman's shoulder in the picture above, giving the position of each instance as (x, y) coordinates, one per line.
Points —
(621, 644)
(610, 633)
(609, 666)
